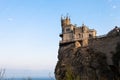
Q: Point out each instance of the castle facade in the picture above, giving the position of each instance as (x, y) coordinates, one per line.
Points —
(72, 33)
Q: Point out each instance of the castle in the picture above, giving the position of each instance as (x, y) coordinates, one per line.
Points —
(72, 33)
(84, 56)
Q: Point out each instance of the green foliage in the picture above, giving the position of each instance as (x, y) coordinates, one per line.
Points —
(77, 78)
(70, 75)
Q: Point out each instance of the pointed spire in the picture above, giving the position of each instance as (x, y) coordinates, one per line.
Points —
(83, 23)
(69, 18)
(61, 17)
(67, 15)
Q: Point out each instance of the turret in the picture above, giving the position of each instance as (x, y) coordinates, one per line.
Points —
(65, 21)
(84, 28)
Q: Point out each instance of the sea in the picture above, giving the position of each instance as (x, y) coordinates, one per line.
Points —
(29, 79)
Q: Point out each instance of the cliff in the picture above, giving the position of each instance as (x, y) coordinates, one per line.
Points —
(100, 60)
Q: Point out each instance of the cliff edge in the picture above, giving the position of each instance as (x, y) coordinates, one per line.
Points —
(97, 59)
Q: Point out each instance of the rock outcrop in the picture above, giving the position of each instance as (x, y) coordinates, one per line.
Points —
(100, 60)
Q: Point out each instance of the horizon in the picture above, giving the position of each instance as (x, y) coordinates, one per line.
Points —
(29, 31)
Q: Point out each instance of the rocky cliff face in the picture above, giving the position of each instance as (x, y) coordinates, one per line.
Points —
(100, 60)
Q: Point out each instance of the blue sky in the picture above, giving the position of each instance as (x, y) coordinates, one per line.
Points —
(29, 31)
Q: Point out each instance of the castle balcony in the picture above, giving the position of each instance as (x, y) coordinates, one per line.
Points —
(66, 41)
(72, 40)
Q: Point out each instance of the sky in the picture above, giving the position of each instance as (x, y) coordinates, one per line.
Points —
(29, 31)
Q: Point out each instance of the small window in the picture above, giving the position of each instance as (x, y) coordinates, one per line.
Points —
(90, 35)
(68, 30)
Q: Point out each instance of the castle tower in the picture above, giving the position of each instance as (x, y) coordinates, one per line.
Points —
(65, 21)
(67, 29)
